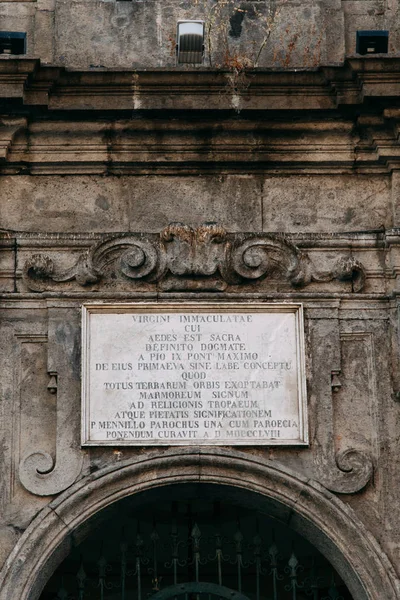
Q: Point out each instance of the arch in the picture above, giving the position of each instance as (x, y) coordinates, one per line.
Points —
(303, 504)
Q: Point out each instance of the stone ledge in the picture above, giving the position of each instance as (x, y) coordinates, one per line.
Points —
(301, 89)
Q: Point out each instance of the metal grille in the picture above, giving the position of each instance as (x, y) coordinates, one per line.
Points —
(174, 553)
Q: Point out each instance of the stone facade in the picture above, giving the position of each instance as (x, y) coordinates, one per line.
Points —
(140, 34)
(274, 179)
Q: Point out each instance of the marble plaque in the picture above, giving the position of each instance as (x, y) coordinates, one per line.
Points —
(182, 374)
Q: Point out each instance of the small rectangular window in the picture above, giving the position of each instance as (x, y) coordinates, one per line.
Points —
(12, 42)
(372, 42)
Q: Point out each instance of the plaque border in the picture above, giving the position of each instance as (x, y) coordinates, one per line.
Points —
(296, 308)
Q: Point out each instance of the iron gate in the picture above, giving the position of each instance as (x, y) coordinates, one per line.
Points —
(198, 590)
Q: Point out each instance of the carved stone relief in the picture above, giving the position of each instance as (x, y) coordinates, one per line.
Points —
(355, 404)
(39, 473)
(182, 258)
(32, 430)
(348, 469)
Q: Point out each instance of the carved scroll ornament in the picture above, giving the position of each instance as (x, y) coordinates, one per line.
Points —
(180, 257)
(39, 472)
(355, 470)
(348, 469)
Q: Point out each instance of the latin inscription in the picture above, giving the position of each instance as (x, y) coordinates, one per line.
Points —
(205, 377)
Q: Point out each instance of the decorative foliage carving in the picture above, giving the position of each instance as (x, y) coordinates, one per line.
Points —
(39, 266)
(194, 252)
(39, 272)
(346, 269)
(180, 257)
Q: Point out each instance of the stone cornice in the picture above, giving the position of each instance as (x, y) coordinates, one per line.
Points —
(180, 89)
(102, 122)
(213, 143)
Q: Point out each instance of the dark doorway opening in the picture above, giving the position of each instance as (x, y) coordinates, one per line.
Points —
(187, 542)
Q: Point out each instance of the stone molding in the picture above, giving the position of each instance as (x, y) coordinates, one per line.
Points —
(121, 145)
(306, 506)
(207, 144)
(9, 127)
(182, 258)
(321, 88)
